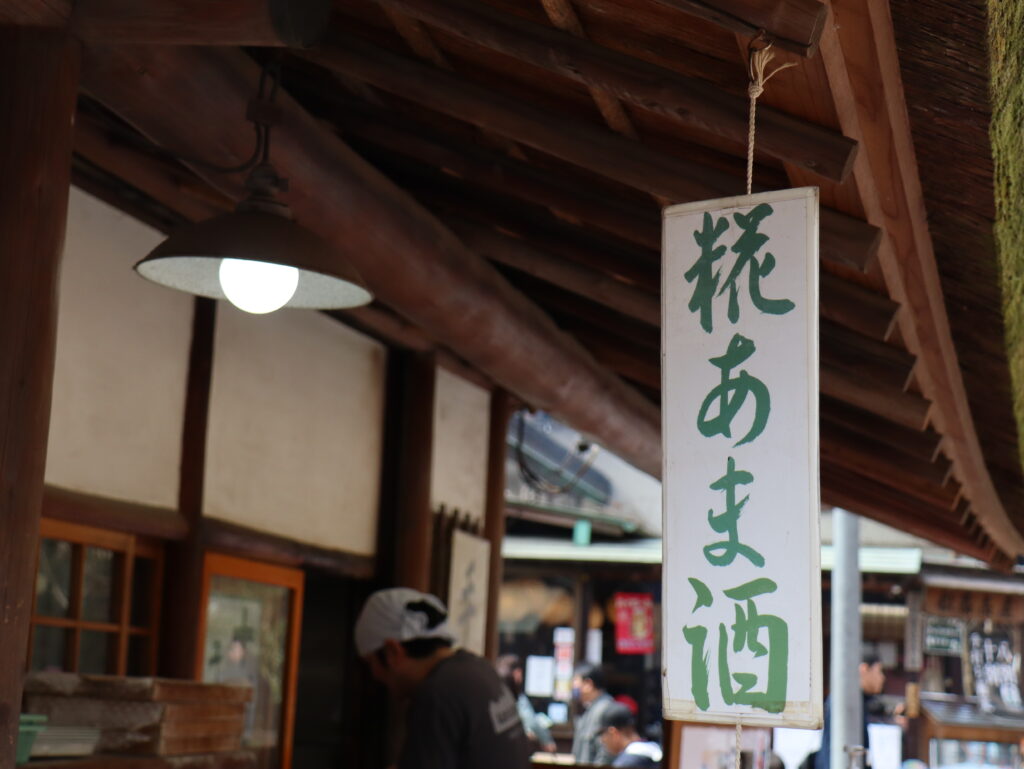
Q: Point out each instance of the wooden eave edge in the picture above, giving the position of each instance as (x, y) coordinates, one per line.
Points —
(907, 257)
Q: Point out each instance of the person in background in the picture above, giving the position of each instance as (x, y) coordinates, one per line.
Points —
(872, 681)
(589, 688)
(622, 740)
(510, 668)
(459, 714)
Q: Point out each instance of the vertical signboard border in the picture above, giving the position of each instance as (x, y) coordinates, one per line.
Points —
(809, 716)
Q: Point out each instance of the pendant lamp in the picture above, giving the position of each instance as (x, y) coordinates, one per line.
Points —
(256, 257)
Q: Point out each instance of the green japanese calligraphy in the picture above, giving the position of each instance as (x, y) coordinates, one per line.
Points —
(746, 634)
(727, 522)
(706, 275)
(745, 247)
(731, 394)
(703, 593)
(703, 270)
(700, 663)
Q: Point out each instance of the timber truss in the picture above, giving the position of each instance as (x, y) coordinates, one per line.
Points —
(495, 170)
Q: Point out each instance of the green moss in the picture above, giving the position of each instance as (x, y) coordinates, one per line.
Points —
(1006, 44)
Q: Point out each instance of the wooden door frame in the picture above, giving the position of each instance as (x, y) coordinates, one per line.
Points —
(223, 565)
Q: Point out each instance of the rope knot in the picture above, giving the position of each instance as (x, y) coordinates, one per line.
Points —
(756, 66)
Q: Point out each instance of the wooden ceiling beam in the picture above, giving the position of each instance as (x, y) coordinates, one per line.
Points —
(446, 197)
(193, 99)
(842, 304)
(564, 303)
(627, 363)
(854, 492)
(858, 49)
(862, 355)
(874, 459)
(855, 307)
(592, 284)
(174, 188)
(562, 14)
(622, 218)
(844, 238)
(276, 23)
(689, 101)
(920, 444)
(903, 408)
(795, 25)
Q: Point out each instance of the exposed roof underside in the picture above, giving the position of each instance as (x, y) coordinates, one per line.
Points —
(555, 172)
(944, 58)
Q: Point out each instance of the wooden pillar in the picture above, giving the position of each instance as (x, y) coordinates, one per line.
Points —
(37, 103)
(415, 535)
(494, 519)
(184, 570)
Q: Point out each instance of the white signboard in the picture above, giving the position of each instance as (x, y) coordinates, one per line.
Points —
(539, 680)
(742, 581)
(467, 589)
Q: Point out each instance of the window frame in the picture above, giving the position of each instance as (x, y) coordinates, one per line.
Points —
(222, 565)
(126, 547)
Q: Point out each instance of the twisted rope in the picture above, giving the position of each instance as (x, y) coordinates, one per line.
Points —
(739, 725)
(757, 65)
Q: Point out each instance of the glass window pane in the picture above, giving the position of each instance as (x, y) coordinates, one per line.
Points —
(96, 653)
(48, 646)
(142, 584)
(53, 582)
(246, 642)
(97, 590)
(138, 655)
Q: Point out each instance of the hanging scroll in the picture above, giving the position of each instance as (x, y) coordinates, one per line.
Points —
(742, 580)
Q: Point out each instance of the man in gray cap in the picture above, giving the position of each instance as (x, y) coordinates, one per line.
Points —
(460, 715)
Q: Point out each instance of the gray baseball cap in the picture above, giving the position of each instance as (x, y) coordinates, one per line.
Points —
(400, 614)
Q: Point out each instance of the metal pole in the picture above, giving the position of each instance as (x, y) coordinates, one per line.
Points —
(846, 701)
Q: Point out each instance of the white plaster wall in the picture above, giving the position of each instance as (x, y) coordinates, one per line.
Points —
(122, 363)
(296, 428)
(462, 417)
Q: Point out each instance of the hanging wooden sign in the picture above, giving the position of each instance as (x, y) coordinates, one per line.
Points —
(742, 580)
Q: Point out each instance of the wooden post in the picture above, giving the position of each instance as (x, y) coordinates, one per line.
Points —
(494, 517)
(37, 101)
(184, 570)
(414, 536)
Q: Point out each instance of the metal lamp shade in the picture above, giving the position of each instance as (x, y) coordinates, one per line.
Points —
(189, 260)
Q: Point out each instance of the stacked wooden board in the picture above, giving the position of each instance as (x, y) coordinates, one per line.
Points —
(148, 716)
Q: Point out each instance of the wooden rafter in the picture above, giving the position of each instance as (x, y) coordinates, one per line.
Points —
(795, 25)
(889, 505)
(611, 76)
(844, 238)
(859, 53)
(564, 17)
(594, 285)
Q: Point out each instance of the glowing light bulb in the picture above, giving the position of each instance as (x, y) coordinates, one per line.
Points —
(257, 287)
